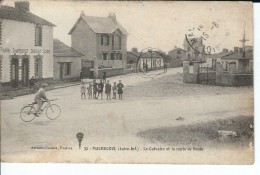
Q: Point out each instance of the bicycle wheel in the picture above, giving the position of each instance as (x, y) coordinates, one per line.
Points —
(27, 113)
(53, 111)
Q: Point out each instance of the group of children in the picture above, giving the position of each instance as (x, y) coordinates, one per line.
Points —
(95, 89)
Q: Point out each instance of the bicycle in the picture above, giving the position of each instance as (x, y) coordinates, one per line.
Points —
(28, 112)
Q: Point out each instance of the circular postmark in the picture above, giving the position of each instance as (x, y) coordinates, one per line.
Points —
(202, 38)
(151, 62)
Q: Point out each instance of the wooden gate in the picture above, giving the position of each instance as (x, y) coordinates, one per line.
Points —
(206, 74)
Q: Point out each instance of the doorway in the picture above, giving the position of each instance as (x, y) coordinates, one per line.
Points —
(25, 71)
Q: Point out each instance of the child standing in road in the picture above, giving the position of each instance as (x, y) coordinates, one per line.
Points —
(120, 89)
(83, 91)
(89, 91)
(108, 90)
(114, 88)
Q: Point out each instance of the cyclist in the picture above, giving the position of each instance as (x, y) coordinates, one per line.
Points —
(40, 97)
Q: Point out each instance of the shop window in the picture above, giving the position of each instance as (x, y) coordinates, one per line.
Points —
(38, 35)
(68, 68)
(14, 69)
(38, 67)
(104, 40)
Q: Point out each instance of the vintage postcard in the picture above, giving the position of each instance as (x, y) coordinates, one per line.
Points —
(127, 82)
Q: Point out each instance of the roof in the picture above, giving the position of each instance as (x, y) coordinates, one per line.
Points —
(17, 14)
(178, 48)
(238, 56)
(101, 24)
(62, 50)
(219, 55)
(133, 53)
(151, 55)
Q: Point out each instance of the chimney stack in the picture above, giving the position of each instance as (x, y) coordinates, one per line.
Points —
(112, 15)
(24, 5)
(241, 50)
(134, 49)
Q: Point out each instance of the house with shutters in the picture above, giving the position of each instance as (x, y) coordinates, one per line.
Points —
(103, 41)
(26, 46)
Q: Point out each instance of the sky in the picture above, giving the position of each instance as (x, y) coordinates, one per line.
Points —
(161, 25)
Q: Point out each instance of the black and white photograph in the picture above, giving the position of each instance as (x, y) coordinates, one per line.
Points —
(130, 82)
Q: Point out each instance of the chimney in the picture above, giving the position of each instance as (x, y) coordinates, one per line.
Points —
(134, 49)
(236, 49)
(24, 5)
(112, 15)
(82, 13)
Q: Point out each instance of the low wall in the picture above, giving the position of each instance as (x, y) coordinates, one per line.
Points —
(110, 72)
(190, 78)
(235, 80)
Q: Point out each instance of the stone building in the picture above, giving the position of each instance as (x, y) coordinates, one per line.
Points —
(66, 61)
(26, 46)
(176, 57)
(103, 41)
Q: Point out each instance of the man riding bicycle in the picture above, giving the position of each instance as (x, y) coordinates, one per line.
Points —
(40, 97)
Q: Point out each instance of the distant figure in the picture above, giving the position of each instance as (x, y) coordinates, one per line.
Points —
(32, 82)
(81, 76)
(120, 89)
(94, 89)
(114, 88)
(100, 89)
(104, 76)
(89, 91)
(108, 90)
(165, 67)
(83, 91)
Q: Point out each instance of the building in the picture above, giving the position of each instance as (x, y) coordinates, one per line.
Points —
(211, 60)
(66, 61)
(176, 57)
(103, 41)
(194, 48)
(243, 63)
(151, 61)
(26, 46)
(132, 56)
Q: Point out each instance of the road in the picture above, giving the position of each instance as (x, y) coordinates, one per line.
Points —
(149, 101)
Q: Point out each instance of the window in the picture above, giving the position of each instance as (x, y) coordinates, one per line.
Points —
(67, 68)
(38, 35)
(14, 68)
(179, 52)
(104, 40)
(112, 55)
(119, 56)
(104, 56)
(38, 66)
(0, 32)
(1, 57)
(117, 42)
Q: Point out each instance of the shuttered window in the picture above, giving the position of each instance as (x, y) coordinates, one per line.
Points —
(38, 35)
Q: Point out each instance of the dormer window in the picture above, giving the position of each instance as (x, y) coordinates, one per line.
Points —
(38, 35)
(117, 42)
(104, 40)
